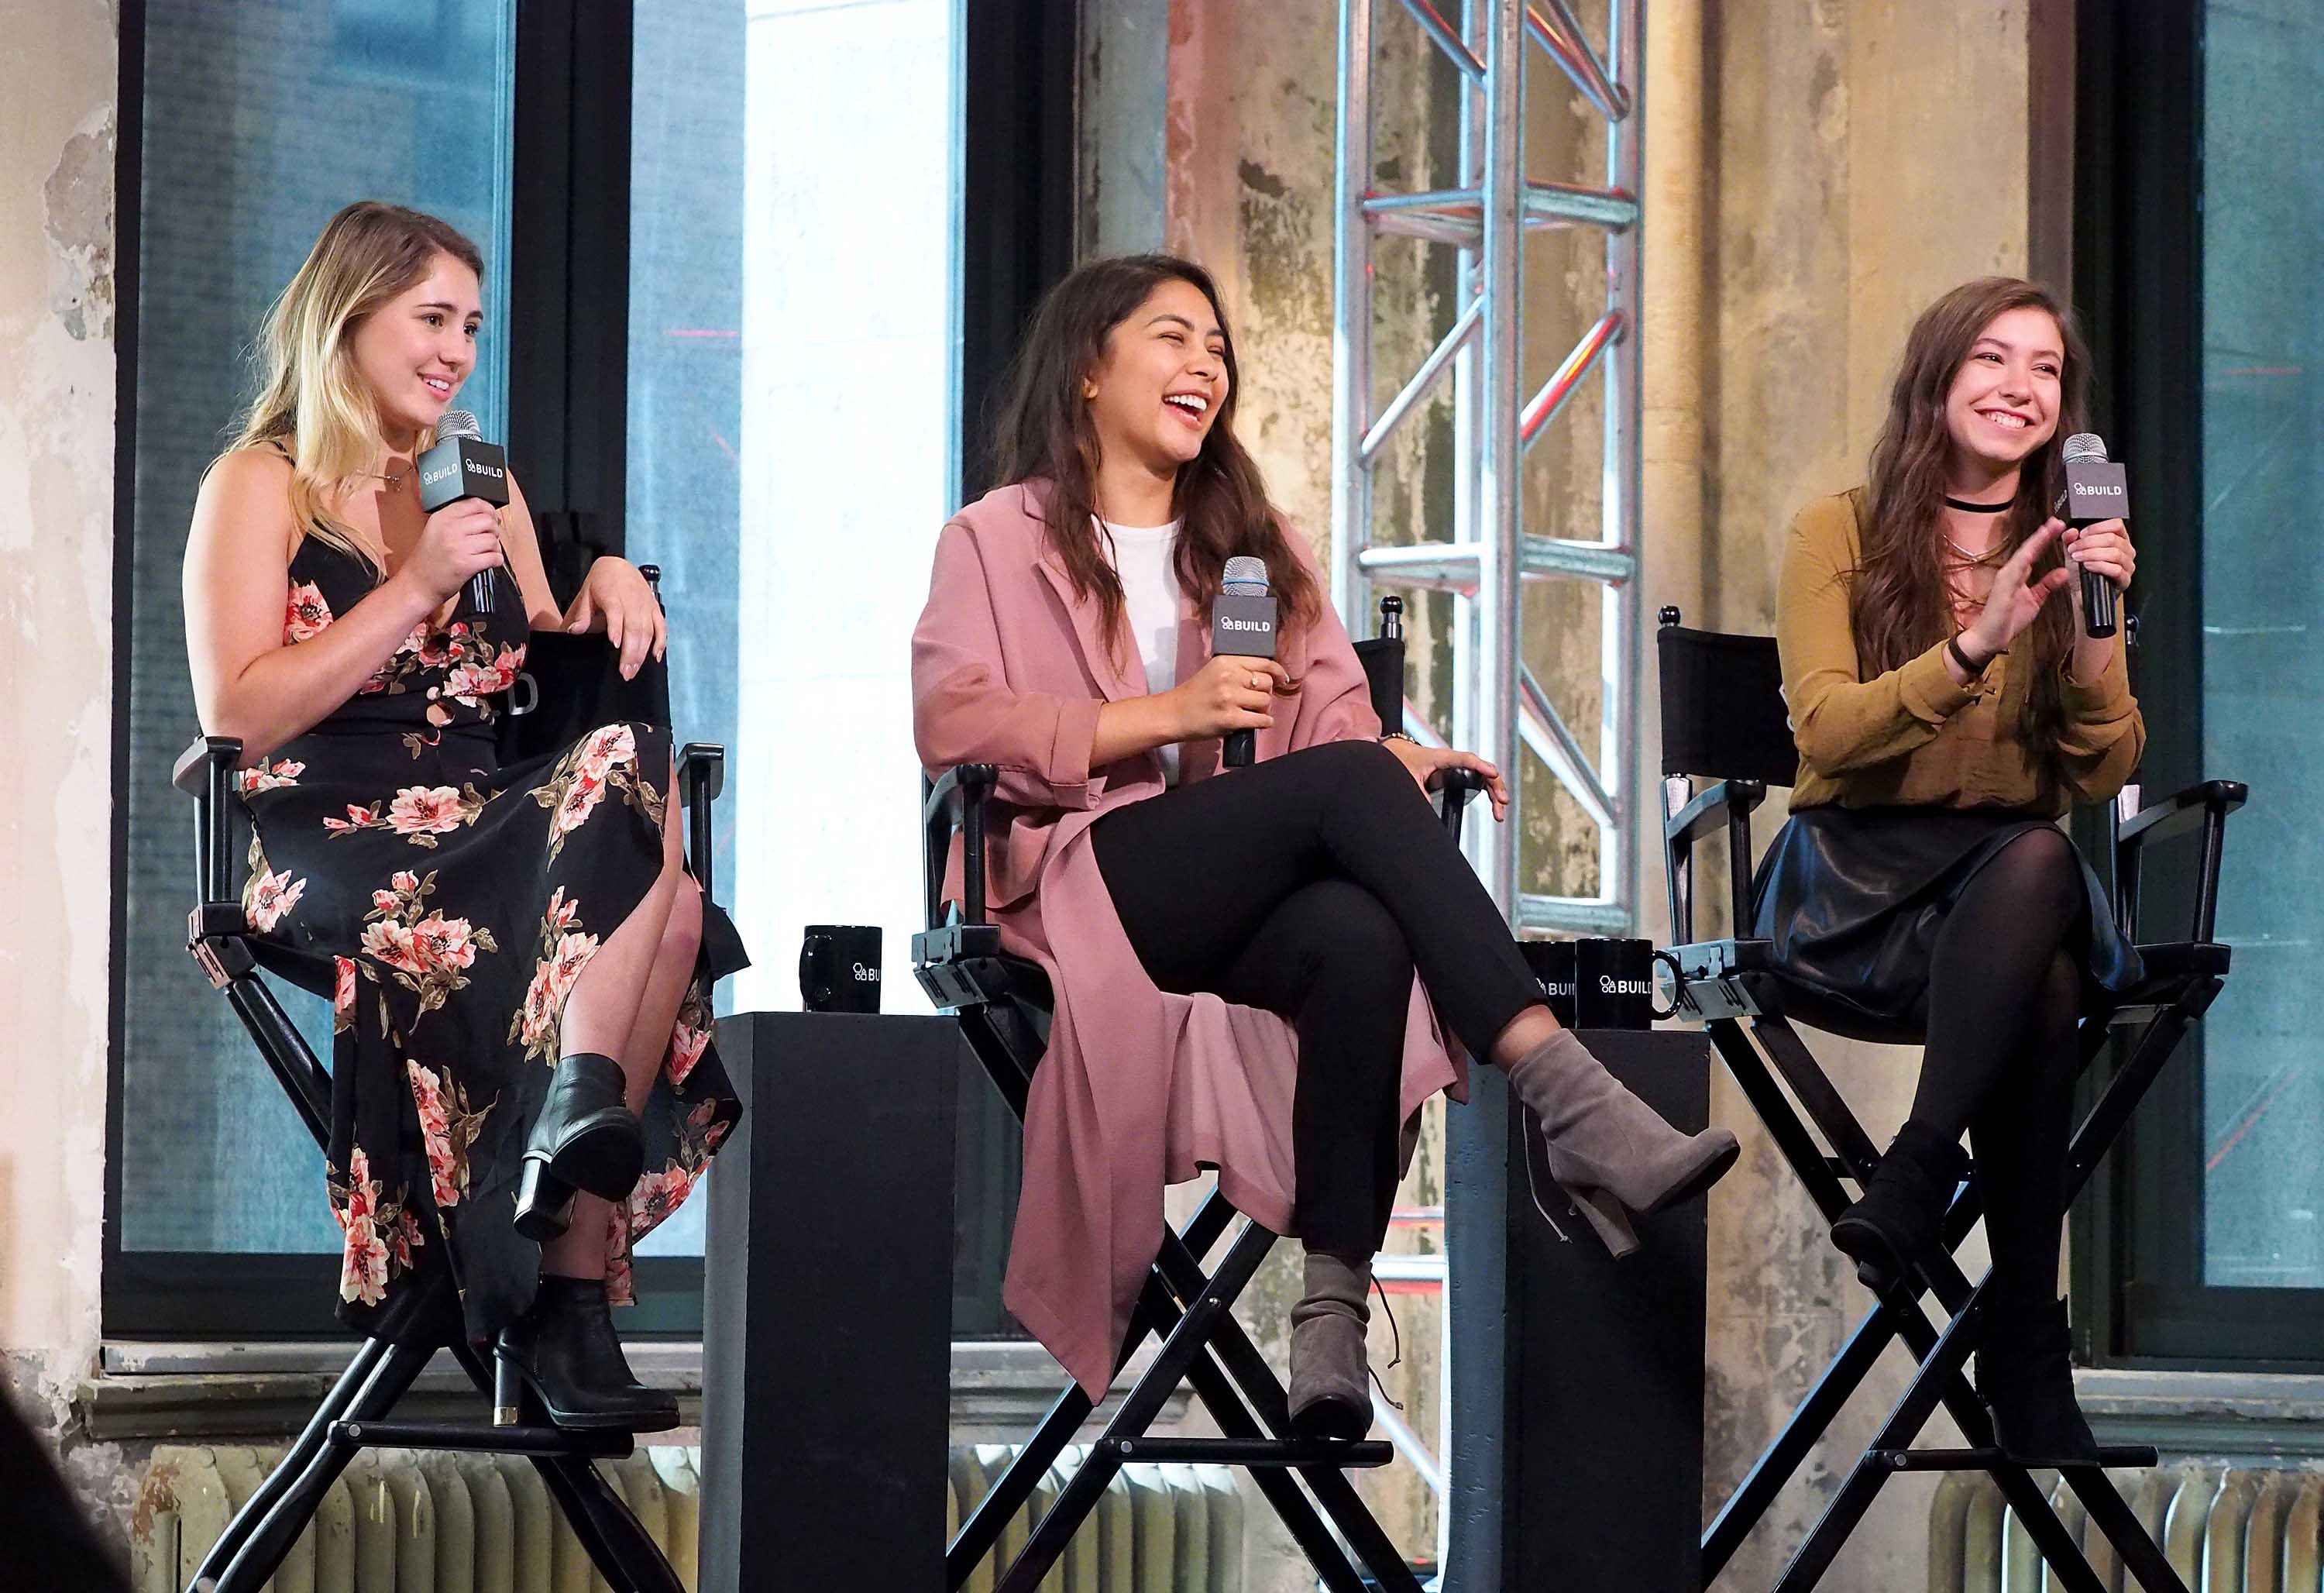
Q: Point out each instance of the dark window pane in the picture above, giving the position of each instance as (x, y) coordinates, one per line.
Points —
(685, 390)
(2263, 465)
(260, 119)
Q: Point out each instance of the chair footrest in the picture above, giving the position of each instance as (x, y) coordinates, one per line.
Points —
(957, 942)
(963, 965)
(1239, 1451)
(1710, 984)
(2123, 1457)
(468, 1437)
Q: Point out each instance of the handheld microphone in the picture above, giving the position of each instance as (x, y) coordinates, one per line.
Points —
(1242, 624)
(463, 465)
(2095, 490)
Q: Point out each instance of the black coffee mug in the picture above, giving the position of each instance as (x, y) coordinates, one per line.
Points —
(1552, 962)
(1614, 984)
(839, 968)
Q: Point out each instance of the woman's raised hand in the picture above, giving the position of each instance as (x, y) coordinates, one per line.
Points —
(1428, 763)
(2105, 549)
(616, 598)
(1228, 693)
(2017, 595)
(459, 539)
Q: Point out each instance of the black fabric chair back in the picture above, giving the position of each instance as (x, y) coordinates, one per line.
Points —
(575, 686)
(570, 540)
(1383, 660)
(1723, 712)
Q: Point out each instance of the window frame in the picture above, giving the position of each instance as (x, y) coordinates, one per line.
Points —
(2139, 1297)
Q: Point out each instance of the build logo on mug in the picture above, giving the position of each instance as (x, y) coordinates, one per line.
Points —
(839, 968)
(1597, 983)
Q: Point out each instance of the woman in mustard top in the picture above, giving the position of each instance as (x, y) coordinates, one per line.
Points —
(1948, 709)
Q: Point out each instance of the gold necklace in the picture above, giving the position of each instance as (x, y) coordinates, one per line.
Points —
(393, 478)
(1975, 558)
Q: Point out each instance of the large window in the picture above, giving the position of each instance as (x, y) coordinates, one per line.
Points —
(259, 120)
(709, 344)
(2263, 453)
(2201, 207)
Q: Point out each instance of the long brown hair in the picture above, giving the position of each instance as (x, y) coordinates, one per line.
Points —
(311, 402)
(1047, 433)
(1901, 604)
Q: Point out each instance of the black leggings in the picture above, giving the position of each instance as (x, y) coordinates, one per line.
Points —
(1312, 885)
(2004, 999)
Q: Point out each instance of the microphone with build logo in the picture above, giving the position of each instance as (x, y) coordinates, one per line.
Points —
(2095, 491)
(463, 465)
(1242, 625)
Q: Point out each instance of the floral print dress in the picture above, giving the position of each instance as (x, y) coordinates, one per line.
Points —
(460, 901)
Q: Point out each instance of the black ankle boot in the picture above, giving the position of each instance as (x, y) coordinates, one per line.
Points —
(585, 1138)
(2025, 1376)
(1897, 1221)
(564, 1349)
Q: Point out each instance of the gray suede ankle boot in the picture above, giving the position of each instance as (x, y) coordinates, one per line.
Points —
(1331, 1379)
(1612, 1153)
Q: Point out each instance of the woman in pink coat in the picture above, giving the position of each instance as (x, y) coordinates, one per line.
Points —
(1250, 970)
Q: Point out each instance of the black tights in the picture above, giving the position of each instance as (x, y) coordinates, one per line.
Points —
(1312, 885)
(2004, 1001)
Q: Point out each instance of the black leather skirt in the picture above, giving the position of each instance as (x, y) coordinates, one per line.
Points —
(1852, 899)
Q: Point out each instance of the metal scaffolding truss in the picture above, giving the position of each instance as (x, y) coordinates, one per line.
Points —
(1499, 705)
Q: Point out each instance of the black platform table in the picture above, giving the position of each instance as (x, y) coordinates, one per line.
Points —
(1577, 1379)
(826, 1378)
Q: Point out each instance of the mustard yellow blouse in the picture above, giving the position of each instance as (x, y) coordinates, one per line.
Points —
(1911, 737)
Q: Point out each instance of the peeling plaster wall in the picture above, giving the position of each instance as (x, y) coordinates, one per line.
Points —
(1854, 161)
(58, 84)
(1125, 79)
(1252, 147)
(1811, 183)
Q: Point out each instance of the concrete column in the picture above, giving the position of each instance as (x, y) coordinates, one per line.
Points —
(1252, 108)
(1124, 107)
(1860, 161)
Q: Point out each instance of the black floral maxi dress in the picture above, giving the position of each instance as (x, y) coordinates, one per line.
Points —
(461, 901)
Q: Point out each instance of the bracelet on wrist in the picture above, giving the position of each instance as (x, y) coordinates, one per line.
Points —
(1960, 656)
(1399, 735)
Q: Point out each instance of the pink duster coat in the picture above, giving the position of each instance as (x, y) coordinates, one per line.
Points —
(1139, 1088)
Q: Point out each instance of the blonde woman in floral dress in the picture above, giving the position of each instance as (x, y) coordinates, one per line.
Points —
(523, 1077)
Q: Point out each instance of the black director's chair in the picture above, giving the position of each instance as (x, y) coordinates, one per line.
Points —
(1724, 720)
(357, 1412)
(1003, 1004)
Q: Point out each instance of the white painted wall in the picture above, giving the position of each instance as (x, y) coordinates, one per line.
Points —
(848, 329)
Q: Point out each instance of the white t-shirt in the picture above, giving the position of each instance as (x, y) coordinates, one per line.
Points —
(1142, 558)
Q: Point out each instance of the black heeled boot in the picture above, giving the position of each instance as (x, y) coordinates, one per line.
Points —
(565, 1350)
(585, 1138)
(1899, 1218)
(2025, 1376)
(1615, 1155)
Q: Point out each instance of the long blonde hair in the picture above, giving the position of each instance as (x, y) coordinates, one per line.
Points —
(311, 406)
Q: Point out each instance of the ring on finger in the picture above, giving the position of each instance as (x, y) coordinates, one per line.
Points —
(1258, 681)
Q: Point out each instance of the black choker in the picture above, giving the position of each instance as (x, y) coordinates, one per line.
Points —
(1966, 507)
